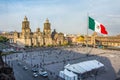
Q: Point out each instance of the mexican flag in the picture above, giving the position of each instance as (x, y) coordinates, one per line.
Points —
(97, 27)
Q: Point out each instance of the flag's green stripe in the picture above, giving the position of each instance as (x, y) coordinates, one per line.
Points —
(91, 24)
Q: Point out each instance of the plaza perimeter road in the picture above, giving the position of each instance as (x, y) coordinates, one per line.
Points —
(53, 60)
(22, 74)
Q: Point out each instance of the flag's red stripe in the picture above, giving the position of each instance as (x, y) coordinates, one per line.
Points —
(103, 30)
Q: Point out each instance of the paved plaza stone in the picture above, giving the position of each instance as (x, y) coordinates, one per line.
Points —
(53, 60)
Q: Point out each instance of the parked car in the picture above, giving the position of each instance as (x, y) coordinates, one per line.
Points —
(43, 73)
(19, 63)
(35, 75)
(25, 67)
(34, 69)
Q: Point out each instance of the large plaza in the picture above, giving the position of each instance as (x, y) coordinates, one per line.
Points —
(53, 60)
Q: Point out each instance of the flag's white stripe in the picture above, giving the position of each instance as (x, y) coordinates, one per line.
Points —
(97, 27)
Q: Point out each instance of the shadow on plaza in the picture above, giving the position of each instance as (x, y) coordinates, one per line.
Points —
(56, 58)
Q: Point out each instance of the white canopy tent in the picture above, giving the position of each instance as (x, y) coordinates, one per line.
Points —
(68, 75)
(85, 66)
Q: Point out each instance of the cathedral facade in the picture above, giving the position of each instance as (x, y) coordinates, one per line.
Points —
(46, 38)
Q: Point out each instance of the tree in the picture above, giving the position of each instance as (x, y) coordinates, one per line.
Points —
(3, 39)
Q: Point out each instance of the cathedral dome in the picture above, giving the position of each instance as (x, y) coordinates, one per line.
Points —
(38, 30)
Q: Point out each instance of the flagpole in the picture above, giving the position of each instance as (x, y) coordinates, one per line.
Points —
(87, 34)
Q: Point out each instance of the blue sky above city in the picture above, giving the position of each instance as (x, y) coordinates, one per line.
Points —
(67, 16)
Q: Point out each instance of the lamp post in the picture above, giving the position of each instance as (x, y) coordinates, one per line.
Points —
(96, 75)
(31, 59)
(5, 58)
(43, 60)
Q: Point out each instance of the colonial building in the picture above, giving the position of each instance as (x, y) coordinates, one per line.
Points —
(37, 38)
(95, 40)
(108, 41)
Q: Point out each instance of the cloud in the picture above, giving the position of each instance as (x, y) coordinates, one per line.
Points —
(63, 14)
(114, 15)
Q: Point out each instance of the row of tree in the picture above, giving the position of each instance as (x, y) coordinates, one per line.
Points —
(3, 39)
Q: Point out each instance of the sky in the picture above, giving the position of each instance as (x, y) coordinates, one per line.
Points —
(66, 16)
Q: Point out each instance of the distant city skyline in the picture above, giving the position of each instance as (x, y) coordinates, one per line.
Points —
(67, 16)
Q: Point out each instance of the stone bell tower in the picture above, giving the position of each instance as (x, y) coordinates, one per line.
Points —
(47, 40)
(47, 28)
(25, 27)
(26, 33)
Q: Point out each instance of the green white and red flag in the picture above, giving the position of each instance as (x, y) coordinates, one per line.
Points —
(96, 26)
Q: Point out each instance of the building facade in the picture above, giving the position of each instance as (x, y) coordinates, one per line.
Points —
(108, 41)
(37, 38)
(52, 38)
(95, 40)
